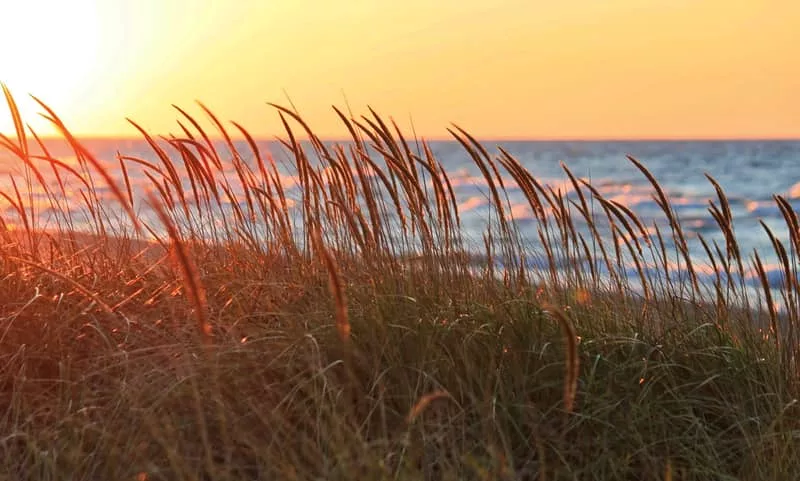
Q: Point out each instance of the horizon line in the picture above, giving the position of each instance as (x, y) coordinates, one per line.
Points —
(489, 138)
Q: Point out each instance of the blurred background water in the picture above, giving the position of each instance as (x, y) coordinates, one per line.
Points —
(750, 172)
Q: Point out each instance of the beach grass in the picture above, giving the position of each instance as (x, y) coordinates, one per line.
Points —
(362, 337)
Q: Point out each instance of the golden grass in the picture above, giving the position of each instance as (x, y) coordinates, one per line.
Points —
(357, 339)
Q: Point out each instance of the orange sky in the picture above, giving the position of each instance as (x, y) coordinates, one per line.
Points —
(500, 68)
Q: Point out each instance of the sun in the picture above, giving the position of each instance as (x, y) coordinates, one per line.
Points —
(48, 48)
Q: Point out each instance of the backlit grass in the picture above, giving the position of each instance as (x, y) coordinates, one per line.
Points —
(216, 328)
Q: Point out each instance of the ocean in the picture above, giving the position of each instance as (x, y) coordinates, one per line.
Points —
(750, 172)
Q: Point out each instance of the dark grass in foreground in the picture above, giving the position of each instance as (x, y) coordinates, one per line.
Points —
(223, 352)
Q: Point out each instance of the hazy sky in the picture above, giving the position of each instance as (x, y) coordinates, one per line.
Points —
(499, 68)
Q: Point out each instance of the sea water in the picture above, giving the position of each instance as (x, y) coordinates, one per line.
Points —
(750, 172)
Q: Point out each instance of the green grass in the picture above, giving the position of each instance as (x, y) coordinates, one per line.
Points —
(195, 350)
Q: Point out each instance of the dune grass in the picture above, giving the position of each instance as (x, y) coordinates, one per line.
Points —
(223, 338)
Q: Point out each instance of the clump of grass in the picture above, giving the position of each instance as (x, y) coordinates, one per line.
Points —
(347, 333)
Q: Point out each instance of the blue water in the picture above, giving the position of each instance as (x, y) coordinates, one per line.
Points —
(750, 172)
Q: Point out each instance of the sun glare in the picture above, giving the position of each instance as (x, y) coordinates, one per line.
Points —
(49, 49)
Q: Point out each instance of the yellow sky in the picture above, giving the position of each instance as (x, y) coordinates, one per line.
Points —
(501, 69)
